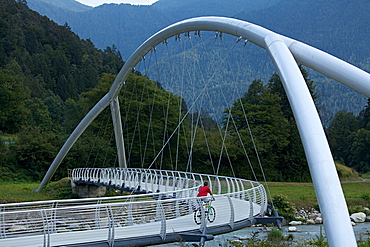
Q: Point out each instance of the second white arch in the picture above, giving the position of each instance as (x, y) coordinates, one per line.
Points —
(285, 54)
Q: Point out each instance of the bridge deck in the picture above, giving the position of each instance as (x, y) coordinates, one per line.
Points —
(140, 231)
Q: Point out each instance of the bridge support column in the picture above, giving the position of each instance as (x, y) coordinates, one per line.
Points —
(203, 238)
(117, 124)
(328, 190)
(87, 190)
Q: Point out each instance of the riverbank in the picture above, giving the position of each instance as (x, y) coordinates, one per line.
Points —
(301, 237)
(303, 233)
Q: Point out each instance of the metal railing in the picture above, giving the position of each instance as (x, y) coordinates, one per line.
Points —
(108, 218)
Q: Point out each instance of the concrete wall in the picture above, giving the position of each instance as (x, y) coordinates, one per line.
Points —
(87, 190)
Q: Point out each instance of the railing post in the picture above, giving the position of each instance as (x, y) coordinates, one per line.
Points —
(228, 185)
(53, 216)
(110, 226)
(97, 215)
(219, 192)
(130, 220)
(242, 195)
(111, 233)
(177, 209)
(2, 223)
(160, 216)
(263, 199)
(45, 224)
(203, 222)
(232, 212)
(232, 181)
(251, 213)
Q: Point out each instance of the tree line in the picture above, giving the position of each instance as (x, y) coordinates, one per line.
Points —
(349, 138)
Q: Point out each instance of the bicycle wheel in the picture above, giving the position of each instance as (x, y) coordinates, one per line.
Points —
(198, 216)
(211, 215)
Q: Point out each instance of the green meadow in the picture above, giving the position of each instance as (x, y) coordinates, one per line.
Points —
(300, 194)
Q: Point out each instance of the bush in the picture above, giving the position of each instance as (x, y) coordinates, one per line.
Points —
(290, 237)
(61, 189)
(364, 242)
(346, 173)
(320, 240)
(357, 209)
(275, 236)
(285, 208)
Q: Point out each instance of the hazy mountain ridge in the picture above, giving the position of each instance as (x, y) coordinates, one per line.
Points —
(338, 27)
(69, 5)
(192, 8)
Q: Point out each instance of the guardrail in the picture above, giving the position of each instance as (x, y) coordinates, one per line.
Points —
(113, 218)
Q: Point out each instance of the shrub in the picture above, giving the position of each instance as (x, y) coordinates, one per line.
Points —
(285, 208)
(61, 189)
(290, 237)
(346, 173)
(320, 240)
(355, 209)
(275, 236)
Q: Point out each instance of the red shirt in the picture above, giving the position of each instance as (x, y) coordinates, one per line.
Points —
(204, 190)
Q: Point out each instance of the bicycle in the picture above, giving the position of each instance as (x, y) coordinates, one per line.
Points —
(209, 212)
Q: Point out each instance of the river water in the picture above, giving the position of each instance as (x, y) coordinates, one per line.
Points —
(304, 232)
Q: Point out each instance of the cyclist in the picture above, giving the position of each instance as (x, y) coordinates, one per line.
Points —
(204, 191)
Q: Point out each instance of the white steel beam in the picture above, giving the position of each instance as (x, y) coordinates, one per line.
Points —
(118, 133)
(328, 190)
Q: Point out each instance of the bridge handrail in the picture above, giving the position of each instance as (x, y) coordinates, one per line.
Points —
(119, 214)
(177, 199)
(197, 178)
(215, 184)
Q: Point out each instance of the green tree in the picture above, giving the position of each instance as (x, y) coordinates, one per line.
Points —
(276, 86)
(360, 156)
(292, 157)
(35, 150)
(55, 106)
(38, 114)
(262, 110)
(364, 117)
(340, 135)
(12, 97)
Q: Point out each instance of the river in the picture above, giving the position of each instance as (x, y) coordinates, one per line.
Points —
(304, 232)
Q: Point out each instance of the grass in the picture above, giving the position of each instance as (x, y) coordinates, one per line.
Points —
(19, 192)
(303, 194)
(300, 194)
(366, 176)
(8, 138)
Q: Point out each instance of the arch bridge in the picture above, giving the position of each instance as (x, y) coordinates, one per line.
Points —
(242, 201)
(161, 211)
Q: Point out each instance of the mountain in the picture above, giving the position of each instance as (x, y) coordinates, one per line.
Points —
(127, 26)
(43, 6)
(192, 8)
(339, 27)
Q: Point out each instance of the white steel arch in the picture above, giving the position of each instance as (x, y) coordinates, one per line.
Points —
(285, 53)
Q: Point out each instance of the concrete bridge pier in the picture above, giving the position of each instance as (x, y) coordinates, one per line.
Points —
(88, 190)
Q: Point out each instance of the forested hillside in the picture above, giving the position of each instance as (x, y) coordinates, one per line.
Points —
(44, 68)
(50, 78)
(338, 27)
